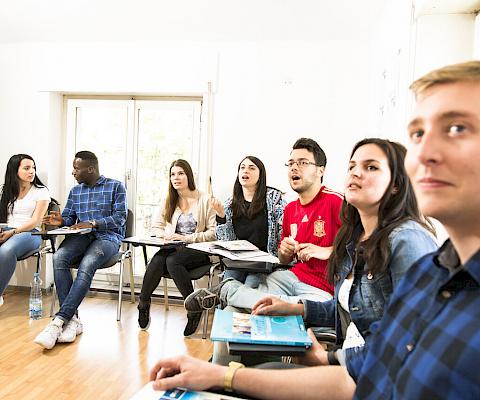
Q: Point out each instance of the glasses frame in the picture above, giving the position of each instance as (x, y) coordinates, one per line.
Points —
(302, 163)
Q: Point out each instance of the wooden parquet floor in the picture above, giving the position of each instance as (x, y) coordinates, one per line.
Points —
(110, 360)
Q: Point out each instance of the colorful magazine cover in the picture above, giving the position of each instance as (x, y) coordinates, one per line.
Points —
(259, 329)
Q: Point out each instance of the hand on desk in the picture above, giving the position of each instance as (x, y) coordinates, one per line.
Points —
(174, 236)
(187, 372)
(271, 305)
(81, 225)
(54, 218)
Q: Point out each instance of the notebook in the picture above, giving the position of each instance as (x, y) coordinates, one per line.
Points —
(259, 329)
(65, 230)
(148, 393)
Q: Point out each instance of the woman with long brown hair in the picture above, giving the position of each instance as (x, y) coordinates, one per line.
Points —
(382, 235)
(24, 200)
(186, 216)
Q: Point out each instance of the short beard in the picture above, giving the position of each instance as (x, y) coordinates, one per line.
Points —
(299, 190)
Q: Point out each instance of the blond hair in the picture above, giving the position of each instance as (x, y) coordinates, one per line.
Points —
(466, 71)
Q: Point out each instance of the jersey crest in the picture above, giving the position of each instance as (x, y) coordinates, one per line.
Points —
(319, 228)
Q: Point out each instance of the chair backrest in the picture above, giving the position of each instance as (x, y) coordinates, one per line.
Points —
(129, 224)
(54, 205)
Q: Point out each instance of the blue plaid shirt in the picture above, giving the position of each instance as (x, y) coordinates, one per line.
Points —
(427, 345)
(105, 202)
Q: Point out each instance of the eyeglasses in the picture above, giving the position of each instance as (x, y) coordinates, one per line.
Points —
(302, 163)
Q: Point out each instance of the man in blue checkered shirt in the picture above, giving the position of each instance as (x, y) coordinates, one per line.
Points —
(427, 345)
(97, 203)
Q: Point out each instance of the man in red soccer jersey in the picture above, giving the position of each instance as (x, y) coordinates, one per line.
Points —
(309, 228)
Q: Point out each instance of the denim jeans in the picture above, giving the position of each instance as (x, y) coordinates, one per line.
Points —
(248, 279)
(283, 284)
(94, 253)
(11, 250)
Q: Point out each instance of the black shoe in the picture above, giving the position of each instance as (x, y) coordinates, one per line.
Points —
(192, 323)
(204, 299)
(143, 315)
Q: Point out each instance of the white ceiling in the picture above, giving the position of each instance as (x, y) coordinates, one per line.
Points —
(153, 20)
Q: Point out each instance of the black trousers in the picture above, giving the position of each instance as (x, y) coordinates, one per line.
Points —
(177, 262)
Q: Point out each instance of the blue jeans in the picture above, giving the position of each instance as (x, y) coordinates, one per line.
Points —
(283, 284)
(248, 279)
(93, 253)
(11, 250)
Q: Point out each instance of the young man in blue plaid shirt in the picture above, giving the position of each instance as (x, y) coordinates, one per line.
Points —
(98, 203)
(427, 345)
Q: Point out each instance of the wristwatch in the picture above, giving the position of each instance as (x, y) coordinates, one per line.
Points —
(228, 380)
(332, 358)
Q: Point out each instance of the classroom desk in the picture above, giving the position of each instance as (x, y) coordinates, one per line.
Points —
(137, 241)
(253, 266)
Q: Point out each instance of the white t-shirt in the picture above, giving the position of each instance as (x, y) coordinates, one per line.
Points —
(353, 337)
(23, 209)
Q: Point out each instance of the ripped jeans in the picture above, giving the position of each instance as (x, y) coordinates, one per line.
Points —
(93, 254)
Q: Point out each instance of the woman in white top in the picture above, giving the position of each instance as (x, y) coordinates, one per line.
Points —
(23, 203)
(187, 216)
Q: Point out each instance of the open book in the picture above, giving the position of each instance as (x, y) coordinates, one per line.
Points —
(235, 245)
(234, 250)
(259, 329)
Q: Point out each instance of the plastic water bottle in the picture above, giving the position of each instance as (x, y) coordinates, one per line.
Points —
(35, 301)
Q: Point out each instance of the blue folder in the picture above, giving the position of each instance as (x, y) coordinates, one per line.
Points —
(259, 329)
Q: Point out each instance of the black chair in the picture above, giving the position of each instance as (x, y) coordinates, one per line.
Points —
(54, 205)
(120, 258)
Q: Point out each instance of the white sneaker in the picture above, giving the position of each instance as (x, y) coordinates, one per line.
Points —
(73, 328)
(48, 337)
(1, 301)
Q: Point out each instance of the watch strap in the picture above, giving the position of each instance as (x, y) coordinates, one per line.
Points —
(332, 358)
(228, 379)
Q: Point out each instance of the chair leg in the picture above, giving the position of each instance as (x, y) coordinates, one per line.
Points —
(205, 324)
(39, 262)
(132, 282)
(205, 313)
(165, 293)
(120, 290)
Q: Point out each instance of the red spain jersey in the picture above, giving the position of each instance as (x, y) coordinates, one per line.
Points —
(316, 222)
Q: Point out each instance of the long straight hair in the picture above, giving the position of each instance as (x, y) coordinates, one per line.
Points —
(172, 196)
(397, 205)
(11, 186)
(259, 198)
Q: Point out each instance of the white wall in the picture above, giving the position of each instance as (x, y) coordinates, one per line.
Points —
(443, 39)
(266, 95)
(476, 44)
